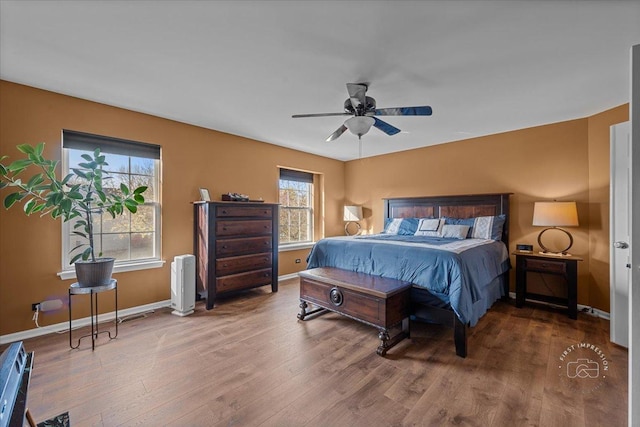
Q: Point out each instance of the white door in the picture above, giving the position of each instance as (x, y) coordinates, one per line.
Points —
(634, 291)
(620, 273)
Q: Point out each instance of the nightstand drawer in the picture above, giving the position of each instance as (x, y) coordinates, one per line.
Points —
(545, 265)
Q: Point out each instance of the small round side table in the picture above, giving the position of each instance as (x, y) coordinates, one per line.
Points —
(93, 291)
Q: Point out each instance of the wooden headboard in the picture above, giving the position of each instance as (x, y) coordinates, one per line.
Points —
(464, 206)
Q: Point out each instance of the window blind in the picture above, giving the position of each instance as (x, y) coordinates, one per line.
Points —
(89, 142)
(300, 176)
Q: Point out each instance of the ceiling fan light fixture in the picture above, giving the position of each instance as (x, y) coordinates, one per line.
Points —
(359, 125)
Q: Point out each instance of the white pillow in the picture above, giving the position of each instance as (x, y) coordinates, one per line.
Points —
(429, 227)
(455, 231)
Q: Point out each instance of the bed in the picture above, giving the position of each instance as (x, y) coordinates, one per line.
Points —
(458, 263)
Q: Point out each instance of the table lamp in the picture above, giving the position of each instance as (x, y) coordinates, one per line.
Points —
(352, 214)
(553, 215)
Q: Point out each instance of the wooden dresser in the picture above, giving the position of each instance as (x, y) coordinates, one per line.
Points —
(236, 247)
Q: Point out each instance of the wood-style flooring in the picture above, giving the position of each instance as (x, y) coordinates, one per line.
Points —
(251, 362)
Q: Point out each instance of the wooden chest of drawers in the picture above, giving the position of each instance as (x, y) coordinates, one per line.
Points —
(236, 247)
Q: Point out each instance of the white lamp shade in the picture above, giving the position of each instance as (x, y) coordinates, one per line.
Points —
(352, 213)
(359, 125)
(555, 214)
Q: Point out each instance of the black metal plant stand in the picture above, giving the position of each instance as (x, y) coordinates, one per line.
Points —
(93, 291)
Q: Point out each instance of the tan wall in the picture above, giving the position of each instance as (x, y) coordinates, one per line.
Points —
(193, 157)
(564, 161)
(541, 163)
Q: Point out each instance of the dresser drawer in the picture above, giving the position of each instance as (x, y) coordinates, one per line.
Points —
(236, 282)
(243, 211)
(247, 228)
(548, 266)
(250, 245)
(226, 266)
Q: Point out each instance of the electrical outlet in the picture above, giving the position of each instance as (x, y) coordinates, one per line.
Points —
(34, 305)
(297, 260)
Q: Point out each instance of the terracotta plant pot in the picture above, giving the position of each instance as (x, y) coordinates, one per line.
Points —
(96, 273)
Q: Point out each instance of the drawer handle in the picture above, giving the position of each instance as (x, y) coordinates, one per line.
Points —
(224, 211)
(224, 228)
(225, 265)
(267, 274)
(224, 246)
(335, 296)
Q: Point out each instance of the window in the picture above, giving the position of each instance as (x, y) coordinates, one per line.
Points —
(296, 207)
(130, 239)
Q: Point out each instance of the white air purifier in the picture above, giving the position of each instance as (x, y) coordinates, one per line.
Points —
(183, 285)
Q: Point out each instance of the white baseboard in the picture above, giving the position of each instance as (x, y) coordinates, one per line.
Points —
(581, 308)
(58, 327)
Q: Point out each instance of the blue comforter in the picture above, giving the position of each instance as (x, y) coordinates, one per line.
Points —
(455, 271)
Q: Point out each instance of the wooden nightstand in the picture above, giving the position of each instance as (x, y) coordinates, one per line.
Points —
(563, 267)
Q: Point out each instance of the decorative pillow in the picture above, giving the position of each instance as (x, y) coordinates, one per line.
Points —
(401, 226)
(461, 221)
(392, 225)
(429, 227)
(488, 227)
(453, 231)
(481, 227)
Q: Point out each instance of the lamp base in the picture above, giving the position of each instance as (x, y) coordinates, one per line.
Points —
(346, 228)
(547, 251)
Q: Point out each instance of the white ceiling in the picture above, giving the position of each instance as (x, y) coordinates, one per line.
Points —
(244, 67)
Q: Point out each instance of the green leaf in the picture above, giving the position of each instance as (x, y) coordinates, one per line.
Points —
(35, 180)
(19, 165)
(3, 170)
(87, 157)
(28, 207)
(39, 149)
(77, 233)
(80, 173)
(11, 199)
(138, 198)
(65, 206)
(87, 253)
(131, 205)
(124, 189)
(75, 258)
(140, 190)
(25, 148)
(75, 195)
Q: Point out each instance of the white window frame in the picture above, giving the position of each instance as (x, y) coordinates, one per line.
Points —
(311, 212)
(68, 270)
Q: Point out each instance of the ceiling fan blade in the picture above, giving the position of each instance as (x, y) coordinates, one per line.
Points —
(404, 111)
(297, 116)
(385, 127)
(337, 133)
(357, 93)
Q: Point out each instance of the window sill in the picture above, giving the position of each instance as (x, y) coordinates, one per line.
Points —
(295, 246)
(118, 268)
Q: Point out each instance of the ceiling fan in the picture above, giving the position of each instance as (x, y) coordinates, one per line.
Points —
(363, 109)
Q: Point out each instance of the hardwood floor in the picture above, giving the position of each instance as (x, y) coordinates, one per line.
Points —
(250, 362)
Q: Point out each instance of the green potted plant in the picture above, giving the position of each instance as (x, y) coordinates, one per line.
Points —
(79, 196)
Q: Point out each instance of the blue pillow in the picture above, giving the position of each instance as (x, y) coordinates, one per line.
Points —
(481, 227)
(401, 226)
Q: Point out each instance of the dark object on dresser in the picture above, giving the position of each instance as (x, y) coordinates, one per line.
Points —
(546, 267)
(236, 247)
